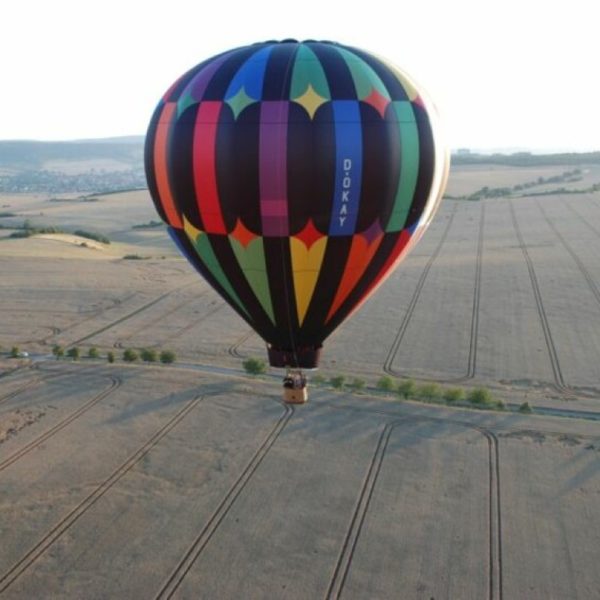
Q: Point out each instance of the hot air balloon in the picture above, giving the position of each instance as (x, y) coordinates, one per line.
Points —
(294, 176)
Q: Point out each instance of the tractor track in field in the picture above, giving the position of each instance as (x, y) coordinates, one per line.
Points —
(183, 566)
(28, 559)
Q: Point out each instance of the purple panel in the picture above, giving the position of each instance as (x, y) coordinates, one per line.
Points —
(199, 83)
(273, 168)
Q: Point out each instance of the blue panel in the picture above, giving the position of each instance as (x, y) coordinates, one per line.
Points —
(348, 167)
(250, 76)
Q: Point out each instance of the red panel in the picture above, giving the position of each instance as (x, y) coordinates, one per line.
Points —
(361, 253)
(160, 166)
(205, 175)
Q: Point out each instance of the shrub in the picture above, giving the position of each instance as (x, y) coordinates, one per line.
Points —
(254, 366)
(525, 408)
(93, 352)
(133, 257)
(429, 392)
(58, 351)
(148, 355)
(385, 384)
(337, 381)
(73, 353)
(130, 355)
(167, 357)
(358, 384)
(110, 357)
(452, 395)
(14, 352)
(407, 388)
(480, 397)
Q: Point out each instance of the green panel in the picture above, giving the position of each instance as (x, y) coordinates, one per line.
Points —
(206, 253)
(308, 71)
(252, 263)
(365, 78)
(409, 164)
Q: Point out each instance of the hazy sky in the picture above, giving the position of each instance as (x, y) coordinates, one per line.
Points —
(504, 74)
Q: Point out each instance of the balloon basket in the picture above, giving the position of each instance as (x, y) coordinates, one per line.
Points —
(294, 388)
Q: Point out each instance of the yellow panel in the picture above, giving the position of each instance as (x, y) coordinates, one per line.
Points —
(306, 265)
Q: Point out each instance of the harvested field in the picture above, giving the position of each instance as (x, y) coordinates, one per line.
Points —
(137, 481)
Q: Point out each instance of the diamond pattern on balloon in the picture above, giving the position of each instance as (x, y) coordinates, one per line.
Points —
(309, 235)
(240, 101)
(310, 101)
(377, 101)
(242, 234)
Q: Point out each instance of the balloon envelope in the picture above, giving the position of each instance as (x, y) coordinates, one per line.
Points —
(294, 177)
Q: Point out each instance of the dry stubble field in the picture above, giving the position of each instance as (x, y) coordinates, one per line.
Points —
(135, 482)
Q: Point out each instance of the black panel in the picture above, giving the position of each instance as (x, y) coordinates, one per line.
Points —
(426, 166)
(339, 78)
(311, 167)
(181, 165)
(237, 157)
(276, 85)
(149, 161)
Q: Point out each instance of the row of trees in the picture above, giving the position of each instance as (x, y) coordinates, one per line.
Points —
(129, 355)
(408, 389)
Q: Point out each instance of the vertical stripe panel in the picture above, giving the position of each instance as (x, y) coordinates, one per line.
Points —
(205, 177)
(160, 165)
(348, 170)
(273, 168)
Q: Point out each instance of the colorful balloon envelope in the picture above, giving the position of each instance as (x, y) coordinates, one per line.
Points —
(294, 176)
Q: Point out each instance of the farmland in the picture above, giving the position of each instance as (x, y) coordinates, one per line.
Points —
(192, 479)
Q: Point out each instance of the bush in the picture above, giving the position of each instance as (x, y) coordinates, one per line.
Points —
(358, 384)
(148, 355)
(58, 351)
(407, 388)
(337, 381)
(133, 257)
(167, 357)
(255, 366)
(130, 355)
(93, 353)
(452, 395)
(525, 408)
(14, 352)
(499, 405)
(385, 384)
(110, 357)
(429, 392)
(73, 353)
(480, 397)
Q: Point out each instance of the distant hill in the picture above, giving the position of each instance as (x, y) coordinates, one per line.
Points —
(84, 166)
(33, 155)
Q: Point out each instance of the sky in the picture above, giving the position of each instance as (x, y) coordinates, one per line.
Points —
(515, 74)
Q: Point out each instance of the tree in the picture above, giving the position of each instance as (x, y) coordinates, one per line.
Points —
(255, 366)
(14, 352)
(148, 355)
(452, 395)
(358, 384)
(167, 357)
(337, 381)
(93, 352)
(525, 408)
(58, 351)
(130, 355)
(407, 388)
(110, 357)
(73, 353)
(480, 396)
(430, 392)
(385, 384)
